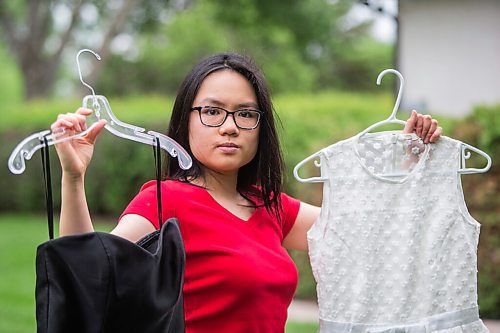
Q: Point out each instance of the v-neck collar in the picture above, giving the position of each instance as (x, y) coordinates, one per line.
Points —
(217, 205)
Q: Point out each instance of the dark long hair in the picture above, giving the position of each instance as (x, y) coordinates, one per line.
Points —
(266, 168)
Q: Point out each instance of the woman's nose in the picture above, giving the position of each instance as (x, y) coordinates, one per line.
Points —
(229, 126)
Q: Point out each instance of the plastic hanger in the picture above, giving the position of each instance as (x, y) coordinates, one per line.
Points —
(102, 110)
(466, 155)
(391, 120)
(317, 163)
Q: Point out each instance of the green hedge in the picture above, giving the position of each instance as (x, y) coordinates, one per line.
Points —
(481, 191)
(308, 123)
(119, 166)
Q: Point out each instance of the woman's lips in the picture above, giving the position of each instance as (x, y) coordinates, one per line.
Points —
(228, 147)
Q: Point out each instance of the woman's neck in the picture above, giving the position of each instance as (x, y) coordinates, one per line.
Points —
(225, 185)
(223, 188)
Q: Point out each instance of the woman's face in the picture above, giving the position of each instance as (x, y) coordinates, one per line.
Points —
(227, 148)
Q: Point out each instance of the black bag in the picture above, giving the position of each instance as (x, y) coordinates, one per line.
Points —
(99, 282)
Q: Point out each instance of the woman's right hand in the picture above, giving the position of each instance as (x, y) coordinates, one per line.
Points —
(75, 154)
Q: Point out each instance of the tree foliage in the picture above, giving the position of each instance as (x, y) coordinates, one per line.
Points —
(38, 33)
(148, 46)
(302, 45)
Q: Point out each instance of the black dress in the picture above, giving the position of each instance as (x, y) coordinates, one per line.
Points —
(99, 282)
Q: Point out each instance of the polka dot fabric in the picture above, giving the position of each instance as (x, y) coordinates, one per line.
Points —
(394, 247)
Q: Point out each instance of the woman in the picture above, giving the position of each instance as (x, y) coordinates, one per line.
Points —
(234, 219)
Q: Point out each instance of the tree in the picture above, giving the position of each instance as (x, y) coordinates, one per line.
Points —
(302, 45)
(38, 42)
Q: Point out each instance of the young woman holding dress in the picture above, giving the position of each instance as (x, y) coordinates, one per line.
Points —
(235, 220)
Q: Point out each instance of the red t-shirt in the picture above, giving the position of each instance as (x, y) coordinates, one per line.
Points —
(238, 277)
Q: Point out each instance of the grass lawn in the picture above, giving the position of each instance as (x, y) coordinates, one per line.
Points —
(19, 237)
(301, 327)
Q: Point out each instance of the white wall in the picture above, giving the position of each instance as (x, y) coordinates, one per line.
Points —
(449, 54)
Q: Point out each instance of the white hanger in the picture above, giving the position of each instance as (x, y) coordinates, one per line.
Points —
(102, 110)
(391, 120)
(315, 157)
(466, 155)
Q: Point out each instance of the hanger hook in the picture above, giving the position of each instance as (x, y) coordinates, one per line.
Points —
(96, 104)
(400, 91)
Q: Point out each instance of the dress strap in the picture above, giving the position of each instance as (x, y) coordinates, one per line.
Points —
(48, 185)
(157, 156)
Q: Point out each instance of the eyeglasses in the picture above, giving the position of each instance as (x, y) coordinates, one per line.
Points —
(214, 116)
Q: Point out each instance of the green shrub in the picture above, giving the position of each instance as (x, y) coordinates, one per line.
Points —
(112, 178)
(482, 130)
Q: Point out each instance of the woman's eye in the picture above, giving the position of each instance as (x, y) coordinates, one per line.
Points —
(211, 111)
(246, 114)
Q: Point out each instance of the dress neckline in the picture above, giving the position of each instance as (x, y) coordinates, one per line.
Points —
(393, 180)
(218, 206)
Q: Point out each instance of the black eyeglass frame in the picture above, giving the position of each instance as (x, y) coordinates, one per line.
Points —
(199, 108)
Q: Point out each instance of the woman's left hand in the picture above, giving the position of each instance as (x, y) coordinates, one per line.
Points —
(424, 126)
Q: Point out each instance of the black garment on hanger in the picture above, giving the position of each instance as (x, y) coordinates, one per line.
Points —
(99, 282)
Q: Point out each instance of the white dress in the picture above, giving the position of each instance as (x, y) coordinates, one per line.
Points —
(394, 253)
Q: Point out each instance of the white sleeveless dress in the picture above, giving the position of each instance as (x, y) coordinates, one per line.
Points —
(394, 254)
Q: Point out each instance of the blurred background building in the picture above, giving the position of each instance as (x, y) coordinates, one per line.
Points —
(449, 53)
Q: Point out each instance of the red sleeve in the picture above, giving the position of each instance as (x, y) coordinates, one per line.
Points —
(145, 203)
(290, 211)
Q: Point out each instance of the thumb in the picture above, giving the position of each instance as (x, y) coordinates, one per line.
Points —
(411, 122)
(94, 132)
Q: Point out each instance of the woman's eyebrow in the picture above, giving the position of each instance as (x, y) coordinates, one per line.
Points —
(248, 105)
(216, 102)
(210, 100)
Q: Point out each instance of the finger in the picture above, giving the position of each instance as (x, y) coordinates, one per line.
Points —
(62, 126)
(95, 130)
(436, 135)
(60, 123)
(71, 117)
(432, 129)
(411, 122)
(84, 111)
(82, 121)
(427, 121)
(419, 125)
(81, 115)
(77, 120)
